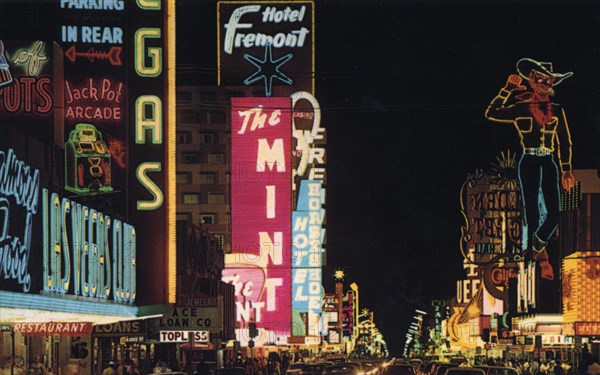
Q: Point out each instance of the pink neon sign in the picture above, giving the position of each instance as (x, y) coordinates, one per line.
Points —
(260, 265)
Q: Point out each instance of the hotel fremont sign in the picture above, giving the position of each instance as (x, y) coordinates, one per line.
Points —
(247, 28)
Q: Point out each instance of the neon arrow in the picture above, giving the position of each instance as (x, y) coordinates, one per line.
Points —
(113, 55)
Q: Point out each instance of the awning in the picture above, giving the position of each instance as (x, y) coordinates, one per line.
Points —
(36, 308)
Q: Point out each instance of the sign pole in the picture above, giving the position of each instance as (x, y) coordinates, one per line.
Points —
(190, 352)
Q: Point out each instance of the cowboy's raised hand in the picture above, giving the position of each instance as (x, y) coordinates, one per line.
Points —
(513, 83)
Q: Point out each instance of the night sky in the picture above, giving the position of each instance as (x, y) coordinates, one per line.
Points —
(403, 87)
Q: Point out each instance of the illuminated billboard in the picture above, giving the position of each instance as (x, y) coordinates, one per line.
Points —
(118, 113)
(259, 265)
(88, 135)
(581, 287)
(266, 43)
(309, 177)
(491, 207)
(348, 317)
(307, 295)
(27, 85)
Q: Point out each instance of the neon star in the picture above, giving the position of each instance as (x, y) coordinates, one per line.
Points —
(339, 274)
(268, 69)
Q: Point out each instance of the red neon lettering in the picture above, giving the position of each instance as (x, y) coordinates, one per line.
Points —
(80, 175)
(106, 169)
(27, 95)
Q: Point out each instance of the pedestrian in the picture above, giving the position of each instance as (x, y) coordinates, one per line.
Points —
(38, 366)
(130, 368)
(73, 367)
(594, 368)
(111, 369)
(10, 368)
(202, 367)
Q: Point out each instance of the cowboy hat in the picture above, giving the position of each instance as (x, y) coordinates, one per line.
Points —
(526, 65)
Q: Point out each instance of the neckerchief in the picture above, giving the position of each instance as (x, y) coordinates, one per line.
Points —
(540, 110)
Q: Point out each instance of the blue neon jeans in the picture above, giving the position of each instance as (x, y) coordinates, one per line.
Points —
(539, 178)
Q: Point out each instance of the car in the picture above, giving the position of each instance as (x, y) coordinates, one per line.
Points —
(497, 370)
(370, 367)
(316, 368)
(296, 368)
(400, 369)
(440, 368)
(464, 371)
(230, 371)
(346, 368)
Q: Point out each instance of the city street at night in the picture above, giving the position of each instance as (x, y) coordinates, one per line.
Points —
(302, 187)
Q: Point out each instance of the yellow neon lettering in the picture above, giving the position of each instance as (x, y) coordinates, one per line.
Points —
(152, 122)
(159, 198)
(153, 53)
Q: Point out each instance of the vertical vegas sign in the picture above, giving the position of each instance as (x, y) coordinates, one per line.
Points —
(259, 266)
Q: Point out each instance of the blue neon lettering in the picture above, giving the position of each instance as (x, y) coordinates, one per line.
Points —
(20, 182)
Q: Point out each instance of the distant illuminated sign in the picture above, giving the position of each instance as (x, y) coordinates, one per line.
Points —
(253, 34)
(348, 314)
(259, 266)
(581, 287)
(493, 214)
(587, 328)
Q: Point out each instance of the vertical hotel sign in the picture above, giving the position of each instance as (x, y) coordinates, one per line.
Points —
(260, 266)
(151, 145)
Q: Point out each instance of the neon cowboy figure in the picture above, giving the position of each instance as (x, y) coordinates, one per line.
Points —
(543, 131)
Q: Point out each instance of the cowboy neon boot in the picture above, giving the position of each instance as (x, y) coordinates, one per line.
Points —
(541, 255)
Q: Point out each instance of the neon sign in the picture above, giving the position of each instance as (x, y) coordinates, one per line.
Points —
(271, 67)
(5, 76)
(85, 252)
(259, 265)
(306, 255)
(96, 99)
(491, 206)
(30, 93)
(113, 55)
(27, 94)
(93, 4)
(92, 34)
(32, 59)
(292, 39)
(21, 183)
(87, 161)
(309, 142)
(257, 31)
